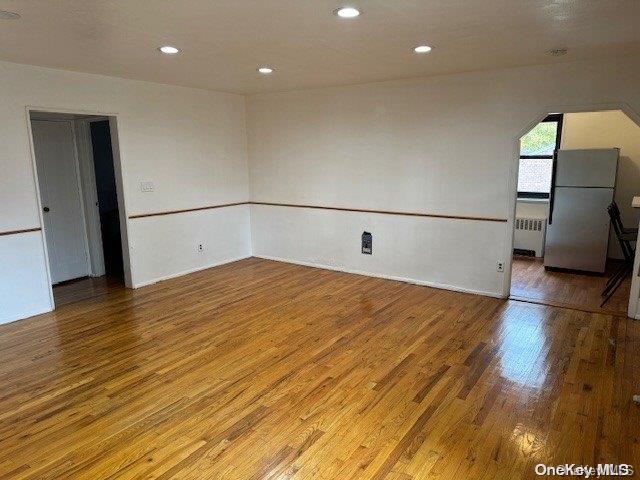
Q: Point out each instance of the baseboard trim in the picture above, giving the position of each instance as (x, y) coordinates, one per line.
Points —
(422, 283)
(24, 316)
(547, 303)
(187, 272)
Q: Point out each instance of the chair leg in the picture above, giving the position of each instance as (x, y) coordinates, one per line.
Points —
(620, 272)
(615, 286)
(617, 272)
(621, 276)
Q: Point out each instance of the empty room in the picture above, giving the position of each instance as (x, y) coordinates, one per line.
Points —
(319, 240)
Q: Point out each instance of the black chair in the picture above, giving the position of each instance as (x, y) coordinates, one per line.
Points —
(625, 238)
(616, 212)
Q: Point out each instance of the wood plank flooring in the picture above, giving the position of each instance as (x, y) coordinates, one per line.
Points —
(263, 370)
(531, 282)
(85, 288)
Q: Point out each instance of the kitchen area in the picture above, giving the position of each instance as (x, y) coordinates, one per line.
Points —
(576, 229)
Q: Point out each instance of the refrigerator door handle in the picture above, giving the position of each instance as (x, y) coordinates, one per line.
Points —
(554, 169)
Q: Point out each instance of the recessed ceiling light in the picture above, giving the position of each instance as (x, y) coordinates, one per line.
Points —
(422, 49)
(557, 52)
(347, 12)
(4, 15)
(169, 50)
(265, 70)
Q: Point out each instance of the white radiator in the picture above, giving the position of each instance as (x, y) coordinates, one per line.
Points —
(529, 234)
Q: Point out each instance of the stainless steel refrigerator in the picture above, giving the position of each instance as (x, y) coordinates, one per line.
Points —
(582, 187)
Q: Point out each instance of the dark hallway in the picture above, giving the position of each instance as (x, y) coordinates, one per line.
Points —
(107, 198)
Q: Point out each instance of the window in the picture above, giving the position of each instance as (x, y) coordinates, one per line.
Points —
(536, 157)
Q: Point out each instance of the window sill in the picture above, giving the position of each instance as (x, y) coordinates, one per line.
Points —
(533, 200)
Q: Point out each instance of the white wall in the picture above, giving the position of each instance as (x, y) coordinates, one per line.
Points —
(224, 233)
(190, 143)
(442, 145)
(607, 130)
(24, 287)
(404, 248)
(532, 208)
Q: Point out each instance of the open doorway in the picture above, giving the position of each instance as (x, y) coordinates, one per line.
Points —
(575, 227)
(77, 185)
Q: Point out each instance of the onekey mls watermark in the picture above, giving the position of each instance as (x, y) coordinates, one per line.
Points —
(585, 471)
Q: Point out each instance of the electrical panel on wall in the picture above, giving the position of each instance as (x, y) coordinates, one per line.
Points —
(367, 243)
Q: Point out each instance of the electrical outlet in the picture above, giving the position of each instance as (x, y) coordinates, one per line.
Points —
(146, 187)
(500, 266)
(200, 248)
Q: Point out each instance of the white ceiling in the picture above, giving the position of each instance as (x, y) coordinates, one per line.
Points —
(223, 41)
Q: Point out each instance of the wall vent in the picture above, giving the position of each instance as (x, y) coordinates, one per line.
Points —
(529, 224)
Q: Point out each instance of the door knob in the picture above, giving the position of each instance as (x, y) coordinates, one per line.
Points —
(46, 209)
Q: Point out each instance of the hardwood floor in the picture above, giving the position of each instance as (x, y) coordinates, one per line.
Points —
(259, 369)
(531, 282)
(85, 288)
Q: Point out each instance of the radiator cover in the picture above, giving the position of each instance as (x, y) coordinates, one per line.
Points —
(529, 234)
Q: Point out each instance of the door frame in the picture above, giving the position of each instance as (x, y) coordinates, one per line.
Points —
(120, 185)
(634, 301)
(90, 194)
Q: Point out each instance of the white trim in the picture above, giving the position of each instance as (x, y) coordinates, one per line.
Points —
(120, 185)
(532, 200)
(71, 111)
(90, 197)
(123, 211)
(422, 283)
(633, 309)
(34, 171)
(76, 154)
(24, 316)
(191, 270)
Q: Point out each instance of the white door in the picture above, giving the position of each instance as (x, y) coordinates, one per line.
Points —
(64, 228)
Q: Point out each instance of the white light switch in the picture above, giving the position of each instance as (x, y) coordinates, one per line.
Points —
(146, 186)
